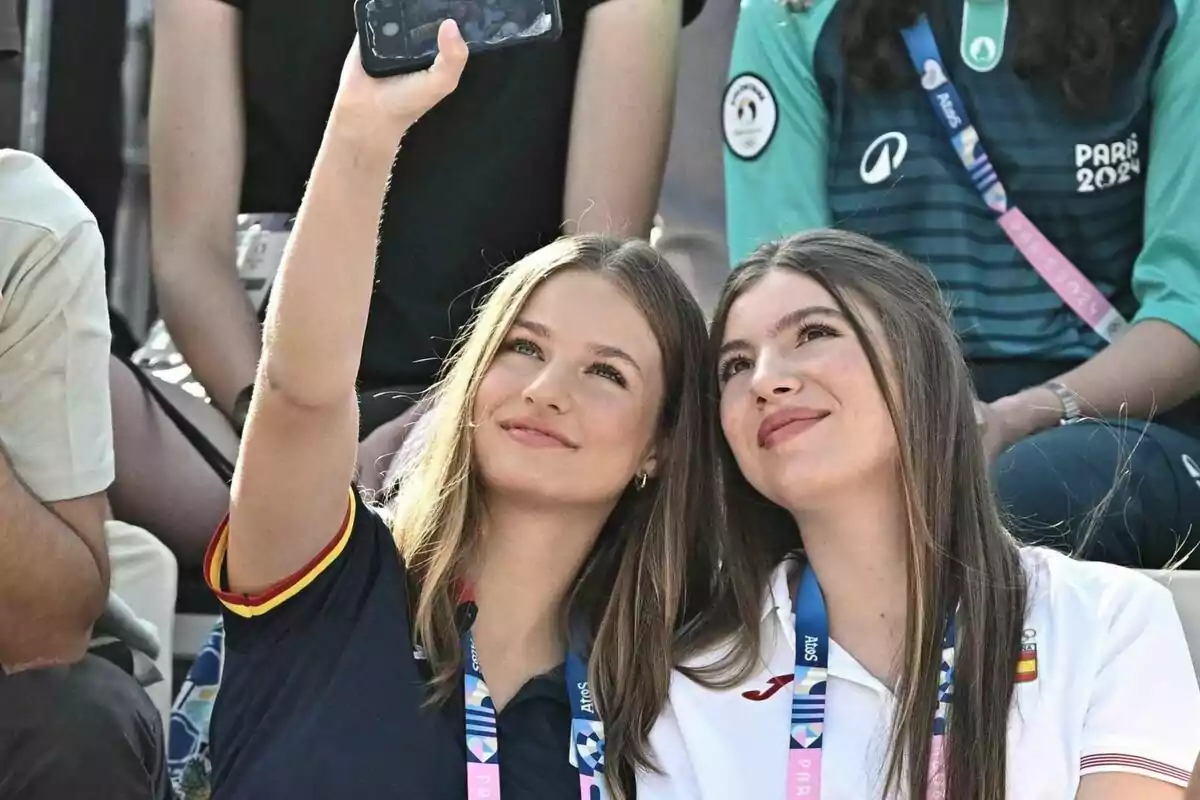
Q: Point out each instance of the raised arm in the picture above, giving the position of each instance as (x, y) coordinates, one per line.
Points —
(298, 449)
(196, 157)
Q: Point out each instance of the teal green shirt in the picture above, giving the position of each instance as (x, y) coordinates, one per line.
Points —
(1116, 192)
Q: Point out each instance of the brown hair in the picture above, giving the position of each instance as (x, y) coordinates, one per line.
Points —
(642, 590)
(1081, 50)
(959, 552)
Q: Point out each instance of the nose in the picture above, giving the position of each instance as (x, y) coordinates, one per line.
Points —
(773, 379)
(548, 389)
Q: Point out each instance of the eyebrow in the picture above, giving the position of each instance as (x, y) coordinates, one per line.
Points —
(601, 350)
(786, 322)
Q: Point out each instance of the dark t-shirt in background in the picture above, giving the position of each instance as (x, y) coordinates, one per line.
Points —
(478, 182)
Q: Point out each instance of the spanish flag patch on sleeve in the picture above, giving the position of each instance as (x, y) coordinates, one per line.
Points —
(1027, 670)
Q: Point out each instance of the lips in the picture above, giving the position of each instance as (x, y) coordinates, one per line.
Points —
(773, 424)
(533, 431)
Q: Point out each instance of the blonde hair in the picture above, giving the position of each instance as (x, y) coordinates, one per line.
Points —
(631, 589)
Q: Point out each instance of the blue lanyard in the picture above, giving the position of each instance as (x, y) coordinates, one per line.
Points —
(949, 108)
(809, 693)
(483, 746)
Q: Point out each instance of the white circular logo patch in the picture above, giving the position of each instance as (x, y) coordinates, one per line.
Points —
(883, 157)
(748, 116)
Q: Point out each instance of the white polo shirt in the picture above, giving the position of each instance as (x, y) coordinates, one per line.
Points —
(1107, 685)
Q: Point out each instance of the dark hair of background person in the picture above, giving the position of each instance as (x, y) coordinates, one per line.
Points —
(959, 551)
(643, 591)
(1076, 48)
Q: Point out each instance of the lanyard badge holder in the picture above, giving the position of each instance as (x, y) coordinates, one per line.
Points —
(1079, 293)
(809, 684)
(483, 746)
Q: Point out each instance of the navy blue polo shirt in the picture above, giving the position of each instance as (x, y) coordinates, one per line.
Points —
(322, 695)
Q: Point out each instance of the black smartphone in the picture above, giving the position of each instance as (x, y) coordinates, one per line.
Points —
(397, 36)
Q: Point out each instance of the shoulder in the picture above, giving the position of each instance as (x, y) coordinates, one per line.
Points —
(1181, 27)
(775, 53)
(33, 196)
(1104, 674)
(1073, 585)
(786, 20)
(1069, 588)
(1184, 9)
(1092, 607)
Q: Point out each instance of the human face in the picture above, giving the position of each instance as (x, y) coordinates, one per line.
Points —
(800, 406)
(568, 409)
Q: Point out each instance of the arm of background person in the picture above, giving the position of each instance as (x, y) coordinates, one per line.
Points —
(621, 122)
(1155, 365)
(55, 574)
(298, 451)
(774, 171)
(56, 453)
(196, 162)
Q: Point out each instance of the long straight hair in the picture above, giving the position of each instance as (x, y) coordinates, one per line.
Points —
(959, 554)
(648, 575)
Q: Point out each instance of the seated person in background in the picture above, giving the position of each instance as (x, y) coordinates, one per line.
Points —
(895, 641)
(71, 725)
(536, 136)
(1088, 114)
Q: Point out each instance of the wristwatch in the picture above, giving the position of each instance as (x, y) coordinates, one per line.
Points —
(1070, 403)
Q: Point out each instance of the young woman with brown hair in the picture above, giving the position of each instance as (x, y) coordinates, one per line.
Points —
(921, 650)
(1038, 156)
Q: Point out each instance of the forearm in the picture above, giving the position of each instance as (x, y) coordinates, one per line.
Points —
(619, 137)
(211, 322)
(1152, 368)
(53, 588)
(318, 312)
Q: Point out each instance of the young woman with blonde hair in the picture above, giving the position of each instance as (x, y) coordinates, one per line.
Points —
(545, 531)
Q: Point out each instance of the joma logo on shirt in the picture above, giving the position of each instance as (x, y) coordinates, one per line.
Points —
(1107, 164)
(773, 685)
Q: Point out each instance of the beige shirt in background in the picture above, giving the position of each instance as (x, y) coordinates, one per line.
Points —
(55, 412)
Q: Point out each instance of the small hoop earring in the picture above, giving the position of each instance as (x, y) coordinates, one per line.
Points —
(640, 481)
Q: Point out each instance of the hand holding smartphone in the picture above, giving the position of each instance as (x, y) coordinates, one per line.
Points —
(398, 36)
